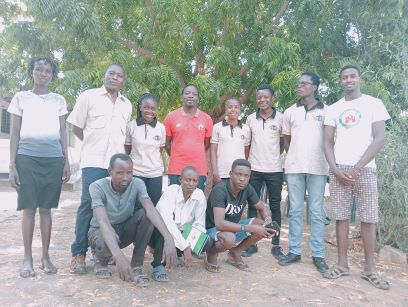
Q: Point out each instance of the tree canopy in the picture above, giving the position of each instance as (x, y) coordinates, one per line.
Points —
(225, 47)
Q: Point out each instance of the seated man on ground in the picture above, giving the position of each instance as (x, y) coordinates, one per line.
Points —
(179, 206)
(224, 209)
(116, 223)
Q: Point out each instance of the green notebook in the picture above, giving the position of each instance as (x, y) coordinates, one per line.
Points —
(195, 238)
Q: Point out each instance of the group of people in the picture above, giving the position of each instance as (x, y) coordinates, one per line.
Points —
(123, 162)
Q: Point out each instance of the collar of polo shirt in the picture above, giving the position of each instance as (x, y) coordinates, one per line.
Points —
(225, 123)
(141, 121)
(318, 105)
(104, 91)
(258, 114)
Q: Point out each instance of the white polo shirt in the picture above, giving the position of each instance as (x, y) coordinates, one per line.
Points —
(306, 150)
(103, 123)
(146, 141)
(231, 144)
(353, 122)
(264, 154)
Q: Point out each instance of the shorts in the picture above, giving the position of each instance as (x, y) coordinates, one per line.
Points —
(40, 181)
(364, 190)
(239, 236)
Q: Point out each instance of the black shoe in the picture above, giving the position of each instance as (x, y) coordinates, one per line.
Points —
(249, 251)
(289, 259)
(276, 251)
(320, 264)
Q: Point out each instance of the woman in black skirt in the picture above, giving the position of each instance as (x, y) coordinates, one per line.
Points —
(38, 158)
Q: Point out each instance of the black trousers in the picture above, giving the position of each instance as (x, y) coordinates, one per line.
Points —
(153, 187)
(137, 230)
(273, 182)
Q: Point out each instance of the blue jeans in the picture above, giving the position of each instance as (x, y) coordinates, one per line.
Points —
(175, 179)
(84, 213)
(315, 185)
(239, 236)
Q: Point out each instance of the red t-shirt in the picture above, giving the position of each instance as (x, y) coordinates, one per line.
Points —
(187, 146)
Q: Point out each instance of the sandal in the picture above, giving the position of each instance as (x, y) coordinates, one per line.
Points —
(26, 272)
(102, 271)
(336, 271)
(140, 279)
(159, 274)
(48, 268)
(375, 279)
(239, 265)
(213, 268)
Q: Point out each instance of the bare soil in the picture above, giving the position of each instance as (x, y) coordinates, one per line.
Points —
(268, 284)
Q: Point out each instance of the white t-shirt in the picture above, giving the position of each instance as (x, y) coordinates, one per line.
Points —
(40, 126)
(353, 122)
(146, 141)
(231, 145)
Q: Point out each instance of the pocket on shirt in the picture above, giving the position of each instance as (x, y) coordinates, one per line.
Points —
(97, 120)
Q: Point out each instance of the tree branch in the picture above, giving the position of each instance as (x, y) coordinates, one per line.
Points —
(279, 15)
(247, 94)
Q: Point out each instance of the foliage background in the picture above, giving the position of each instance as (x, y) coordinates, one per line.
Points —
(226, 48)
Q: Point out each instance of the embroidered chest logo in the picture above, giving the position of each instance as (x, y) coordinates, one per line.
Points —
(242, 137)
(319, 118)
(232, 209)
(274, 128)
(200, 127)
(178, 125)
(350, 118)
(157, 138)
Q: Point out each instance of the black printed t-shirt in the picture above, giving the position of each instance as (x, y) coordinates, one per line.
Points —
(221, 197)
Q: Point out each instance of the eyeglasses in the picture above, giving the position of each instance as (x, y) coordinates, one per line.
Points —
(302, 83)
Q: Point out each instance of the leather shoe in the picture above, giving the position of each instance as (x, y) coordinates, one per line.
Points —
(250, 251)
(276, 251)
(320, 264)
(289, 259)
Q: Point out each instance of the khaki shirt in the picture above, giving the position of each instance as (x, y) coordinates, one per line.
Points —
(264, 154)
(103, 123)
(306, 152)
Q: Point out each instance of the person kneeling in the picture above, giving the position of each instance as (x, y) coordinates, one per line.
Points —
(116, 223)
(224, 209)
(182, 208)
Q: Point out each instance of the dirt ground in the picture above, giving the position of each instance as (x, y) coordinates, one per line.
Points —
(268, 284)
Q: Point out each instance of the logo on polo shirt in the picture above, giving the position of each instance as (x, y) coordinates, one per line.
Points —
(178, 125)
(242, 137)
(319, 118)
(157, 138)
(350, 118)
(274, 128)
(200, 127)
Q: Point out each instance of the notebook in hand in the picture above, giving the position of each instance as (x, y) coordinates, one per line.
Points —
(195, 238)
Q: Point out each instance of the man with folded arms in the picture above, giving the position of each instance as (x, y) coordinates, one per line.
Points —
(224, 209)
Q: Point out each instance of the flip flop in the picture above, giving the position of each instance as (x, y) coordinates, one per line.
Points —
(375, 279)
(49, 270)
(336, 271)
(239, 265)
(140, 279)
(213, 268)
(26, 273)
(159, 274)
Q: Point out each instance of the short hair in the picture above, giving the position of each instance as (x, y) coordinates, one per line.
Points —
(195, 86)
(234, 99)
(142, 99)
(313, 76)
(350, 66)
(118, 65)
(118, 156)
(189, 168)
(240, 162)
(266, 87)
(34, 60)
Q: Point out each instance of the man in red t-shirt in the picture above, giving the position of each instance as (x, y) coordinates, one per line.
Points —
(188, 133)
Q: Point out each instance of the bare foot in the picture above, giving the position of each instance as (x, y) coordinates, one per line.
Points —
(27, 269)
(47, 266)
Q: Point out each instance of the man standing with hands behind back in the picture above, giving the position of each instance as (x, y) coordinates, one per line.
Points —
(99, 120)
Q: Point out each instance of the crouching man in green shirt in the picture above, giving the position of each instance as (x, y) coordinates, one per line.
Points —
(117, 223)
